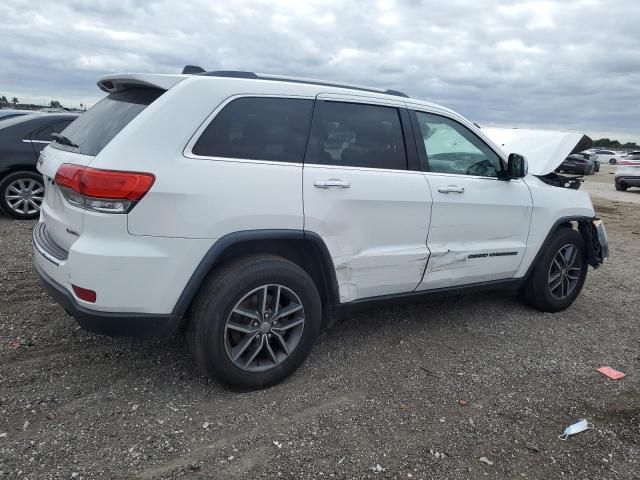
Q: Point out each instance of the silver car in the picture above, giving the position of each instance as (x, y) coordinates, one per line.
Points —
(628, 172)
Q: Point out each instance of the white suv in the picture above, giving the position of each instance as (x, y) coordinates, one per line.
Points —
(253, 210)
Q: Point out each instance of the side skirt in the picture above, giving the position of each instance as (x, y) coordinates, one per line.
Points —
(346, 309)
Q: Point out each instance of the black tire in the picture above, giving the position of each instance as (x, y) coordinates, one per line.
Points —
(612, 161)
(207, 334)
(621, 187)
(7, 190)
(597, 168)
(537, 292)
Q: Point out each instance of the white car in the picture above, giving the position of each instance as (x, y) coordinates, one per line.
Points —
(628, 172)
(607, 156)
(254, 210)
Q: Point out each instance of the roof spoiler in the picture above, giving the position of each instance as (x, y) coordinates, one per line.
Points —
(122, 81)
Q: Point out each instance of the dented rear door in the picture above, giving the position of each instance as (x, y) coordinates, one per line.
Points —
(361, 196)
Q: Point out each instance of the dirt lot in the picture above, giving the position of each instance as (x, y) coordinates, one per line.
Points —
(422, 391)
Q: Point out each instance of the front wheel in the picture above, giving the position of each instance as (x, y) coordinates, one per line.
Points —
(254, 321)
(621, 187)
(558, 276)
(612, 161)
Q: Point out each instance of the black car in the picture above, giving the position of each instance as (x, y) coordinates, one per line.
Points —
(21, 141)
(579, 163)
(591, 157)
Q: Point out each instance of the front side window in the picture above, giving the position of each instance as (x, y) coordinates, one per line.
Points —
(356, 135)
(452, 148)
(254, 128)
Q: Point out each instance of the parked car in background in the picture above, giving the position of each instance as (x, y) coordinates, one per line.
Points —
(253, 210)
(607, 156)
(22, 138)
(582, 164)
(592, 157)
(628, 172)
(7, 113)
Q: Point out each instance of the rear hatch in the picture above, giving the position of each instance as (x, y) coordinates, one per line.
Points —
(86, 137)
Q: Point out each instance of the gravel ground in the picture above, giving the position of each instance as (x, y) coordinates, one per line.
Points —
(422, 391)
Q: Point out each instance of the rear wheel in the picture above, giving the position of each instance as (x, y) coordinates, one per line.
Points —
(612, 161)
(21, 194)
(621, 187)
(255, 321)
(558, 277)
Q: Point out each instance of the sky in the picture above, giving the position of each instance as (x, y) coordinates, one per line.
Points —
(572, 65)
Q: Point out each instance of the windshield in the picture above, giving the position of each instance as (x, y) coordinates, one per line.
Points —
(95, 128)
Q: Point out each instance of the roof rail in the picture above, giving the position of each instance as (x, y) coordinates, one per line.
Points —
(282, 78)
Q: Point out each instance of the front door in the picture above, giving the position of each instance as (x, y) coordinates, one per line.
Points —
(363, 199)
(479, 224)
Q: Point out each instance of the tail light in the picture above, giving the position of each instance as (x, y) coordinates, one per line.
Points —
(107, 191)
(634, 163)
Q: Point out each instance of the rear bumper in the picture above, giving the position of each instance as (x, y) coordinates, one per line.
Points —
(628, 180)
(110, 323)
(580, 169)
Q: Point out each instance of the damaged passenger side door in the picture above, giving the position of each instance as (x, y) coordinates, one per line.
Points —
(479, 221)
(365, 195)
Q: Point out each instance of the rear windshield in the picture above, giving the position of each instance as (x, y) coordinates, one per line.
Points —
(95, 128)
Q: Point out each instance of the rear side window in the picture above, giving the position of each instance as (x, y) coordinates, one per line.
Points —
(258, 129)
(357, 135)
(44, 134)
(95, 128)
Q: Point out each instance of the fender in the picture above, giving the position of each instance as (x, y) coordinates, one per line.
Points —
(595, 251)
(213, 255)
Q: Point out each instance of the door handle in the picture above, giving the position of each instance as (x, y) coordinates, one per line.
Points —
(331, 183)
(451, 189)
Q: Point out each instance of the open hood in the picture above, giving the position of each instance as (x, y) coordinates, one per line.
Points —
(545, 150)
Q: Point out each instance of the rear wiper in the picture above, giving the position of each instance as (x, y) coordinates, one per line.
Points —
(59, 138)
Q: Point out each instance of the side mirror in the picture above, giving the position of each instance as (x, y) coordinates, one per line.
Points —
(517, 166)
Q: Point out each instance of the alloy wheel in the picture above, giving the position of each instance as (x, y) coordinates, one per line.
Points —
(24, 196)
(564, 272)
(264, 328)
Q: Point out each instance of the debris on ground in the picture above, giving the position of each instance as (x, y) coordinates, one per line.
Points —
(578, 427)
(486, 461)
(610, 372)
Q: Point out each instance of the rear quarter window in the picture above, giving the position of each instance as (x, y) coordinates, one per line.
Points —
(257, 128)
(95, 128)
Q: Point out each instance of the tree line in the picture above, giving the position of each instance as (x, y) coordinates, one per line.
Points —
(615, 144)
(5, 102)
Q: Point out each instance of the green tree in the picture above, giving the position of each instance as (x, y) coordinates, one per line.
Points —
(3, 100)
(55, 104)
(14, 100)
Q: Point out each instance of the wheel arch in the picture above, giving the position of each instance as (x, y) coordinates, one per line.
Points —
(306, 249)
(584, 225)
(13, 168)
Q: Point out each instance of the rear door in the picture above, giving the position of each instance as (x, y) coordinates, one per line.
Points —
(364, 196)
(479, 224)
